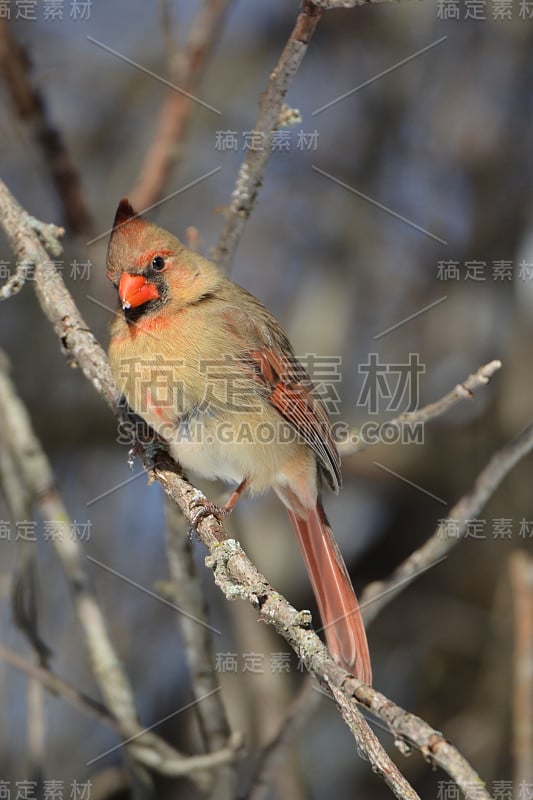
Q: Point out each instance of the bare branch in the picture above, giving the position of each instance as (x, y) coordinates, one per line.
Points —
(237, 577)
(271, 756)
(234, 573)
(463, 391)
(521, 569)
(176, 111)
(452, 529)
(251, 172)
(59, 687)
(30, 106)
(78, 343)
(298, 712)
(371, 748)
(185, 592)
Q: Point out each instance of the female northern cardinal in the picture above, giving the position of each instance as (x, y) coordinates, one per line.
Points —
(206, 365)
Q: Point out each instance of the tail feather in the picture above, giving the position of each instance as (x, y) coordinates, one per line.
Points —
(337, 603)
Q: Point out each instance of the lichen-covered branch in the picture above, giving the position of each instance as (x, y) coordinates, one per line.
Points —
(234, 573)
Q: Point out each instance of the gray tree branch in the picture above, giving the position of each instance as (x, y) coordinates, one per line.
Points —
(236, 576)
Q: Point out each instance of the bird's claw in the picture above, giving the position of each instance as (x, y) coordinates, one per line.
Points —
(147, 450)
(206, 509)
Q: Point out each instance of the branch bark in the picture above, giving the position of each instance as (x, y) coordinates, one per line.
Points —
(235, 575)
(251, 172)
(463, 391)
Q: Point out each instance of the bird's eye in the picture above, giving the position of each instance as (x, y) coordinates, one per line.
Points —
(158, 263)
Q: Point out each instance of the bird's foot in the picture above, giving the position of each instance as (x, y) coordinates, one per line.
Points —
(207, 509)
(147, 450)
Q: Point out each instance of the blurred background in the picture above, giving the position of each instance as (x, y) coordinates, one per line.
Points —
(423, 217)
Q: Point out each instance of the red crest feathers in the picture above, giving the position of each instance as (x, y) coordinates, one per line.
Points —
(124, 213)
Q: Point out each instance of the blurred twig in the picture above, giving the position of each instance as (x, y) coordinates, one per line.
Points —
(29, 104)
(450, 530)
(176, 111)
(250, 175)
(462, 391)
(521, 569)
(144, 746)
(272, 755)
(59, 687)
(185, 592)
(25, 605)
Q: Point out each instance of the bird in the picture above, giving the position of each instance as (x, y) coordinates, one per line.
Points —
(206, 365)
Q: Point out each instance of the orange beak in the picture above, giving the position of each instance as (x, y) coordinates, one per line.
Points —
(134, 290)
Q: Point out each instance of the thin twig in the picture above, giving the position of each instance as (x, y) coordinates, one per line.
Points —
(35, 470)
(463, 391)
(25, 606)
(272, 755)
(30, 106)
(521, 569)
(185, 591)
(61, 688)
(251, 172)
(371, 748)
(450, 530)
(176, 111)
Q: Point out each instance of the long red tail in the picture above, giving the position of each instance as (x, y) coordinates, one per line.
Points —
(337, 603)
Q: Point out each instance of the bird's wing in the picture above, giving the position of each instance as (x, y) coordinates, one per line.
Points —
(287, 384)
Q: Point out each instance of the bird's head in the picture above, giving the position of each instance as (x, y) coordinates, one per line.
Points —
(151, 269)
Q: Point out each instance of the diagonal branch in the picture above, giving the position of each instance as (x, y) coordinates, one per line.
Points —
(251, 172)
(463, 391)
(30, 107)
(185, 591)
(172, 124)
(61, 688)
(236, 576)
(234, 573)
(452, 529)
(35, 471)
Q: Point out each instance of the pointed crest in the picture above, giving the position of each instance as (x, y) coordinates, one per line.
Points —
(126, 236)
(124, 213)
